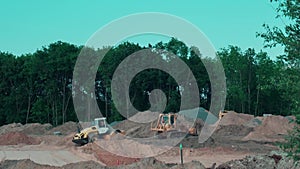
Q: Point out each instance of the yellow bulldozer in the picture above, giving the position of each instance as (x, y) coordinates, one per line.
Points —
(222, 114)
(167, 123)
(99, 128)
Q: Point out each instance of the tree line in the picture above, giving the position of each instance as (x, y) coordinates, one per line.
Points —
(37, 87)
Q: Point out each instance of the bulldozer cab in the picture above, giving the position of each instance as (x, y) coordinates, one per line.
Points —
(101, 125)
(222, 114)
(168, 119)
(165, 122)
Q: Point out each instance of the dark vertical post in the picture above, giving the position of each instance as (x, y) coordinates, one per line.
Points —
(181, 157)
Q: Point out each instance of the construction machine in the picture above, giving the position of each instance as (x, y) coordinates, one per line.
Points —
(99, 128)
(167, 123)
(222, 114)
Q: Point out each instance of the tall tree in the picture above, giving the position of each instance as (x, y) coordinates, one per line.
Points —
(289, 38)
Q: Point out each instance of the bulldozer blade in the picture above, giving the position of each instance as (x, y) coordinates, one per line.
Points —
(82, 141)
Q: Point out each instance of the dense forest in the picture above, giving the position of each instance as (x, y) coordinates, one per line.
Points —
(37, 87)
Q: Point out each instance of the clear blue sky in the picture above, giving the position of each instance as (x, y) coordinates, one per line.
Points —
(30, 24)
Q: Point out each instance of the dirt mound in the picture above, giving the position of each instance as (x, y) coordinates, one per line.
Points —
(36, 128)
(39, 129)
(260, 161)
(147, 163)
(65, 129)
(15, 138)
(30, 129)
(24, 164)
(57, 140)
(253, 162)
(272, 129)
(233, 118)
(13, 127)
(28, 164)
(84, 164)
(190, 165)
(232, 130)
(134, 129)
(134, 148)
(106, 157)
(257, 121)
(144, 117)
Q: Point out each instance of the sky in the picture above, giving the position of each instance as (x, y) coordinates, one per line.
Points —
(28, 25)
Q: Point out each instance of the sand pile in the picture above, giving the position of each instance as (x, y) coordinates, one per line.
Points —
(232, 127)
(84, 164)
(137, 148)
(65, 129)
(253, 162)
(58, 140)
(30, 129)
(15, 138)
(144, 117)
(36, 128)
(106, 157)
(257, 121)
(28, 164)
(184, 123)
(233, 118)
(24, 164)
(135, 130)
(39, 129)
(147, 163)
(232, 130)
(269, 161)
(272, 129)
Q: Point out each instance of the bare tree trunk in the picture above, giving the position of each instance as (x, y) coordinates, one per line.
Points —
(53, 113)
(249, 99)
(242, 101)
(89, 107)
(249, 89)
(66, 107)
(106, 100)
(56, 120)
(63, 99)
(257, 100)
(28, 107)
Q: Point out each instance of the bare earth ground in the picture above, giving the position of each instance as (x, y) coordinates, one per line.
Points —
(237, 142)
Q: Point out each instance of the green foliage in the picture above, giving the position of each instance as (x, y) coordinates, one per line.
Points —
(292, 141)
(289, 83)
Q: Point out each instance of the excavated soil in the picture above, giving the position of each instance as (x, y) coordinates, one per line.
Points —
(134, 129)
(236, 136)
(271, 161)
(39, 129)
(15, 138)
(272, 129)
(65, 129)
(233, 118)
(147, 163)
(29, 129)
